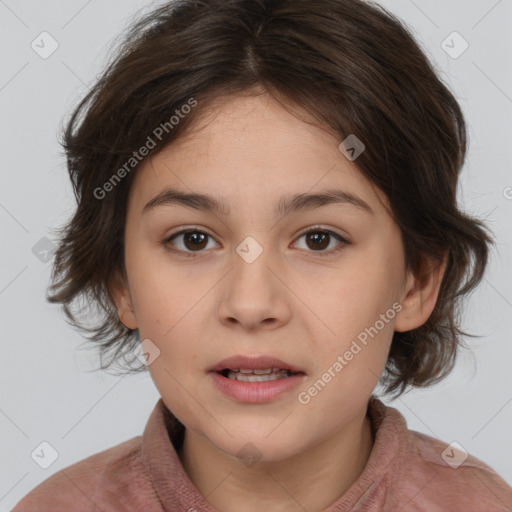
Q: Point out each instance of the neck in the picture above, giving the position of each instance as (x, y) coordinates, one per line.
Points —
(312, 480)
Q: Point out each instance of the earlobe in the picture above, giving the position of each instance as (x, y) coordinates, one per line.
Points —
(123, 302)
(420, 295)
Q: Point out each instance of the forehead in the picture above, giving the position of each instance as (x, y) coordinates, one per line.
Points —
(251, 150)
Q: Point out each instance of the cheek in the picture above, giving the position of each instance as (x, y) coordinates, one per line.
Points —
(157, 289)
(354, 296)
(168, 303)
(356, 303)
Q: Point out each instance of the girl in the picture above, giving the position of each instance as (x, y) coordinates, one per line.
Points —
(267, 217)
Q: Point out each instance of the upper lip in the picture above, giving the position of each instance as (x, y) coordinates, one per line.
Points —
(253, 363)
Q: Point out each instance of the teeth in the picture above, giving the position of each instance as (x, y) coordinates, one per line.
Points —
(258, 375)
(256, 372)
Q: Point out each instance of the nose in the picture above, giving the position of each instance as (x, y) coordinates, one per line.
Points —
(254, 294)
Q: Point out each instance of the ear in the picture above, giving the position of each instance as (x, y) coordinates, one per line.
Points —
(420, 294)
(120, 294)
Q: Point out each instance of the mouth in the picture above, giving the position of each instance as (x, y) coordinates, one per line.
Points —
(255, 380)
(260, 379)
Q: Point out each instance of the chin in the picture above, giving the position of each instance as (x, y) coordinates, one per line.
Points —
(252, 452)
(254, 448)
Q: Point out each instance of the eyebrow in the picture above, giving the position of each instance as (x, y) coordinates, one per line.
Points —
(284, 206)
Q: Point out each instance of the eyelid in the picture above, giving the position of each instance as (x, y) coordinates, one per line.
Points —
(319, 227)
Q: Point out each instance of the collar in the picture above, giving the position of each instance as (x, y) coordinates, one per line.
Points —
(163, 438)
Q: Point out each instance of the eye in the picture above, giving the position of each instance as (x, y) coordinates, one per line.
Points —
(192, 240)
(318, 239)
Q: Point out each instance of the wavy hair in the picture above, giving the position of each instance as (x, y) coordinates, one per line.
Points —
(349, 65)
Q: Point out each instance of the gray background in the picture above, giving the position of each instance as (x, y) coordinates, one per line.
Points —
(47, 393)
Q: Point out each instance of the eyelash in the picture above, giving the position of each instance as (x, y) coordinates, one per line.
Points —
(315, 229)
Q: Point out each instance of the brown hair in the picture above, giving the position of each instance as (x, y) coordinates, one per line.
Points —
(349, 65)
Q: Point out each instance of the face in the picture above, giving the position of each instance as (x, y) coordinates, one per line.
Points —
(253, 282)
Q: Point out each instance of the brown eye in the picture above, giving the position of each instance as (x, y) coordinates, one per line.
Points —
(195, 240)
(318, 240)
(187, 242)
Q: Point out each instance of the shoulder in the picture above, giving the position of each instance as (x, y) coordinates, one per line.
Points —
(101, 480)
(439, 476)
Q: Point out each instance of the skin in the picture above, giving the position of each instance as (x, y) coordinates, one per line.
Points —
(293, 302)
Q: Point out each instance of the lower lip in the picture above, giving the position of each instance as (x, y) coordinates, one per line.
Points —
(255, 392)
